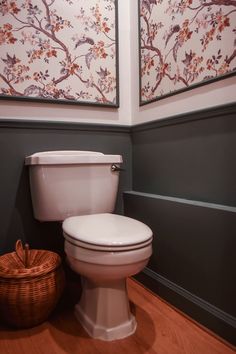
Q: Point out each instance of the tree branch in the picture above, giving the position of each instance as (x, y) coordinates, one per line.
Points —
(62, 78)
(48, 16)
(220, 3)
(233, 55)
(148, 28)
(11, 87)
(113, 40)
(18, 29)
(96, 87)
(154, 49)
(212, 3)
(46, 33)
(157, 84)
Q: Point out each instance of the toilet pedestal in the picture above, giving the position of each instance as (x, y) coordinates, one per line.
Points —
(104, 310)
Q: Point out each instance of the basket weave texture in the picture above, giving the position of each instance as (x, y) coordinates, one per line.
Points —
(31, 283)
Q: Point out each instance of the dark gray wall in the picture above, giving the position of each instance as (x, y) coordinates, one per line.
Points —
(21, 138)
(184, 175)
(190, 156)
(184, 188)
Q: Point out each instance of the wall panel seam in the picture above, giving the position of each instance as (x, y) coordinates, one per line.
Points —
(196, 203)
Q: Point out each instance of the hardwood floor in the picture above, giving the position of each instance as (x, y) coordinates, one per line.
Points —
(161, 330)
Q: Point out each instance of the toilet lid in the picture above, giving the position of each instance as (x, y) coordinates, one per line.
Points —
(106, 230)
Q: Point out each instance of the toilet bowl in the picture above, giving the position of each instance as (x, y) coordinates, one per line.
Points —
(106, 249)
(80, 189)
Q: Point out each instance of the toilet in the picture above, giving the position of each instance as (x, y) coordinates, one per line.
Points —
(79, 188)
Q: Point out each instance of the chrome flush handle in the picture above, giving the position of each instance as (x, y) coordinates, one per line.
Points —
(115, 168)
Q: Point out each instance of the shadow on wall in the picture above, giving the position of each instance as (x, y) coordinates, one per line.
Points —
(24, 226)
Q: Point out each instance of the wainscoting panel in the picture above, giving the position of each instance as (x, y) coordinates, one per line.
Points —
(190, 156)
(193, 263)
(184, 188)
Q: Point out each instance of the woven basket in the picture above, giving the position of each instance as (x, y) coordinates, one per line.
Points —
(31, 283)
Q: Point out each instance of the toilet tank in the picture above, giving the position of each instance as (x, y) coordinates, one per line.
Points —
(68, 183)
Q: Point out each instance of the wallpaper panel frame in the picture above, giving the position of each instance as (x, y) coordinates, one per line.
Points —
(184, 44)
(63, 51)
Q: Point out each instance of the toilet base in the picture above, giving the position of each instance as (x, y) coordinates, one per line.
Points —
(104, 310)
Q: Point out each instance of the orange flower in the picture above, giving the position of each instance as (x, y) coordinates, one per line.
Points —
(6, 35)
(12, 40)
(13, 8)
(36, 54)
(99, 50)
(223, 69)
(164, 68)
(7, 26)
(105, 28)
(209, 64)
(36, 76)
(73, 68)
(51, 53)
(224, 23)
(184, 33)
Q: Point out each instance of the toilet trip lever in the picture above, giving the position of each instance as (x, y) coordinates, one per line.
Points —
(115, 168)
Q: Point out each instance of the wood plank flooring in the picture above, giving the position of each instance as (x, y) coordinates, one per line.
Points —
(161, 330)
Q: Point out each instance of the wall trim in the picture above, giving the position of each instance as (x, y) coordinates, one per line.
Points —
(207, 113)
(184, 201)
(213, 310)
(55, 125)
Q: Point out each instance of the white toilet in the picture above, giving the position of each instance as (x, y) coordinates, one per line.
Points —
(80, 188)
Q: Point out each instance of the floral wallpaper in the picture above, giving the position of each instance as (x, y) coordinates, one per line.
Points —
(62, 50)
(185, 42)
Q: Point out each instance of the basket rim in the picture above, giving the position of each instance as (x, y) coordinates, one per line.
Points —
(53, 262)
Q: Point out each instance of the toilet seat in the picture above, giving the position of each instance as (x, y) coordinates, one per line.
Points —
(106, 232)
(91, 246)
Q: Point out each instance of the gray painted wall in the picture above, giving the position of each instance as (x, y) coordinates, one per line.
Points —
(184, 188)
(190, 156)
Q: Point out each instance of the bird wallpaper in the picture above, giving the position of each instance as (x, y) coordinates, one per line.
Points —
(59, 50)
(184, 43)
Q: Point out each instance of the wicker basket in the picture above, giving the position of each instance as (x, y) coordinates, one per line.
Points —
(31, 283)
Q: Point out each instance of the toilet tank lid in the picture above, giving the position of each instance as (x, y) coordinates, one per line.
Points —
(70, 157)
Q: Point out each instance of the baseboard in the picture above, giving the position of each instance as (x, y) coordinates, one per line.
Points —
(208, 315)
